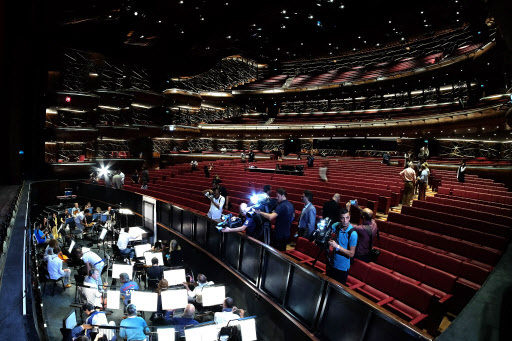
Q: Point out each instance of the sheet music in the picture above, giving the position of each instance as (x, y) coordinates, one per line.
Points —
(118, 269)
(113, 298)
(174, 299)
(71, 246)
(214, 295)
(167, 334)
(140, 249)
(148, 256)
(145, 301)
(103, 234)
(175, 277)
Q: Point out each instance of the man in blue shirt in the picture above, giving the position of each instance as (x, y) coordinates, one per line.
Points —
(187, 319)
(135, 328)
(250, 226)
(283, 215)
(128, 287)
(422, 180)
(307, 220)
(344, 248)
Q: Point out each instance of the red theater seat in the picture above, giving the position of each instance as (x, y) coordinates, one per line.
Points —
(377, 286)
(411, 302)
(301, 250)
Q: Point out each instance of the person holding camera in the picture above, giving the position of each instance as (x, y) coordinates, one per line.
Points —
(217, 203)
(252, 224)
(366, 234)
(344, 248)
(283, 214)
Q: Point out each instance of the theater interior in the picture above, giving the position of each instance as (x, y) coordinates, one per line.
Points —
(331, 96)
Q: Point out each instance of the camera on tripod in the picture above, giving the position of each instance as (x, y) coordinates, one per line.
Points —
(229, 221)
(322, 234)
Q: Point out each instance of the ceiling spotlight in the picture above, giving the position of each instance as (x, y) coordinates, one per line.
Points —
(135, 13)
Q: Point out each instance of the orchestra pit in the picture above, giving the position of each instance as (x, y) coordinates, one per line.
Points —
(228, 170)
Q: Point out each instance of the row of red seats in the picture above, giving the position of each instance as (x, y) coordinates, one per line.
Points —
(474, 274)
(479, 215)
(449, 229)
(490, 197)
(439, 242)
(409, 301)
(456, 202)
(479, 199)
(461, 221)
(306, 252)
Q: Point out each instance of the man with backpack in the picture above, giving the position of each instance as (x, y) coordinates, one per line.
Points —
(344, 248)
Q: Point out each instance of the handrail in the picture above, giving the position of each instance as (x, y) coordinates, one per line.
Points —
(326, 283)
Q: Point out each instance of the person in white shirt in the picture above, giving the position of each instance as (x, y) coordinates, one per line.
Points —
(92, 261)
(229, 312)
(196, 295)
(92, 294)
(217, 203)
(121, 174)
(55, 268)
(79, 219)
(122, 243)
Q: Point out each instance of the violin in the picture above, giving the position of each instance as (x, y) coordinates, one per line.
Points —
(76, 211)
(63, 257)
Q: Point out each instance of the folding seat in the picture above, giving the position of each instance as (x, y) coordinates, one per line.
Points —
(407, 269)
(473, 273)
(385, 261)
(440, 283)
(357, 274)
(400, 247)
(459, 193)
(378, 285)
(411, 302)
(445, 263)
(300, 252)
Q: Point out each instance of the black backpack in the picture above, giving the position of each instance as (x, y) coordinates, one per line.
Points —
(230, 333)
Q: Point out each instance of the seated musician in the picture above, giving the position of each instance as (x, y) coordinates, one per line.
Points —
(92, 293)
(122, 243)
(155, 273)
(79, 218)
(41, 235)
(196, 295)
(127, 288)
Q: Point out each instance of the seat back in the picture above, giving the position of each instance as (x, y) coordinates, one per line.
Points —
(359, 270)
(386, 259)
(438, 279)
(414, 296)
(408, 267)
(381, 280)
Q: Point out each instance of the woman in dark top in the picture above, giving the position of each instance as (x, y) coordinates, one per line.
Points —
(461, 171)
(175, 254)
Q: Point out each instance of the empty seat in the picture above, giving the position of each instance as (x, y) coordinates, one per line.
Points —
(411, 302)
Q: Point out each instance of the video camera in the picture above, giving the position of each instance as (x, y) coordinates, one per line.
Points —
(322, 234)
(259, 202)
(229, 221)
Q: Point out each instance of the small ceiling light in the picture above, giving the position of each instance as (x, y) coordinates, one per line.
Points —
(135, 13)
(342, 6)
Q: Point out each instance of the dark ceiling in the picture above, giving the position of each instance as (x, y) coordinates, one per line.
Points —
(185, 37)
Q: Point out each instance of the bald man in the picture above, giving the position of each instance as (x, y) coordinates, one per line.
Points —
(366, 234)
(187, 319)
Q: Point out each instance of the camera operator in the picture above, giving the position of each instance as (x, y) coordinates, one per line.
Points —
(252, 224)
(268, 207)
(284, 214)
(216, 204)
(344, 246)
(366, 234)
